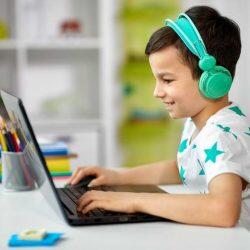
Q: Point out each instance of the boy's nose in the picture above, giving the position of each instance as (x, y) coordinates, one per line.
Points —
(158, 92)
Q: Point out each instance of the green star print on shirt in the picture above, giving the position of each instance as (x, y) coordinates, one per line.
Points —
(248, 133)
(212, 153)
(226, 129)
(183, 146)
(202, 172)
(237, 111)
(182, 172)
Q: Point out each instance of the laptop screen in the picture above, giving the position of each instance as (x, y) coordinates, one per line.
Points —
(13, 114)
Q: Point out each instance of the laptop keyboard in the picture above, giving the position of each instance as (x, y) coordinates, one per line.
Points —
(75, 193)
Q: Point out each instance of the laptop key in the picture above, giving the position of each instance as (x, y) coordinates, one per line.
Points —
(102, 210)
(67, 201)
(81, 190)
(71, 196)
(76, 193)
(89, 214)
(108, 213)
(97, 212)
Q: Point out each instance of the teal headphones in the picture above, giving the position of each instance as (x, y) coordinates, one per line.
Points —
(215, 80)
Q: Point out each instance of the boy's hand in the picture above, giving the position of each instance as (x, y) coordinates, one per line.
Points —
(113, 201)
(104, 176)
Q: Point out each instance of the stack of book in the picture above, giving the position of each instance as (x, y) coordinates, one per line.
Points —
(57, 157)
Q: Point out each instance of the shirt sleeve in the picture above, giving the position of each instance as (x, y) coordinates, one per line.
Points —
(224, 153)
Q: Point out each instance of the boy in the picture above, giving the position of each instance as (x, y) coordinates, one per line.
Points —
(193, 78)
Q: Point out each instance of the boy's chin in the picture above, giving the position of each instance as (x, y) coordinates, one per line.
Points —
(176, 116)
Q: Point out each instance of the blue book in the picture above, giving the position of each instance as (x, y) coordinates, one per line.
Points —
(57, 148)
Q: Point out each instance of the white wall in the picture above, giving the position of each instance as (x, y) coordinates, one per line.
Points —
(237, 11)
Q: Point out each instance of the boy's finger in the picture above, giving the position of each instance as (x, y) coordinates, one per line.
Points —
(84, 173)
(96, 182)
(80, 175)
(91, 171)
(74, 174)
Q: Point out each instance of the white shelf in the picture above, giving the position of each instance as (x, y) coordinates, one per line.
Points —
(9, 44)
(64, 43)
(70, 125)
(66, 83)
(57, 43)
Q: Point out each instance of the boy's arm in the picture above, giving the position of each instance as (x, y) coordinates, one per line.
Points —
(165, 172)
(221, 207)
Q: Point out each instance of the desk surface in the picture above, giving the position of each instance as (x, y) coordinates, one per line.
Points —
(21, 210)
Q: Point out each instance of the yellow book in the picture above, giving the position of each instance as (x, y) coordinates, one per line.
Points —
(58, 165)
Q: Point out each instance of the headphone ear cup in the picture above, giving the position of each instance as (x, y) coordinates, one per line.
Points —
(215, 83)
(203, 82)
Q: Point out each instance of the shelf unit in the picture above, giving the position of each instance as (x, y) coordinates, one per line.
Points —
(67, 83)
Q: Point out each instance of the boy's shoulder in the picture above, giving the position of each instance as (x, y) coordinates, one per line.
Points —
(230, 118)
(229, 127)
(229, 124)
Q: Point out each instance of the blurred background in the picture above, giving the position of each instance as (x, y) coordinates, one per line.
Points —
(80, 69)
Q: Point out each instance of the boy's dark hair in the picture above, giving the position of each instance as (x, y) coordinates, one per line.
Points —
(220, 34)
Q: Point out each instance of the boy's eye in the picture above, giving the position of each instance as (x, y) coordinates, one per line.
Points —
(167, 81)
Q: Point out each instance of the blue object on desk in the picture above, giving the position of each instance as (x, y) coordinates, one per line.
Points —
(56, 148)
(49, 240)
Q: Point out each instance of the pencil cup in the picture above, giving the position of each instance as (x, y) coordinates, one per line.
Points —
(16, 172)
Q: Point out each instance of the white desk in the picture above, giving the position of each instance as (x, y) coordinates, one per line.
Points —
(21, 210)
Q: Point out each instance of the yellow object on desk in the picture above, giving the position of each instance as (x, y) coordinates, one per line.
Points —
(32, 234)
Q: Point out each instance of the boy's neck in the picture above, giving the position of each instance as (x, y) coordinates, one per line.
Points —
(201, 118)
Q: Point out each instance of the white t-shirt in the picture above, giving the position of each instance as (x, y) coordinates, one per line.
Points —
(222, 146)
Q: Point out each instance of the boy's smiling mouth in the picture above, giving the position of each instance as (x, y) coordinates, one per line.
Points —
(169, 103)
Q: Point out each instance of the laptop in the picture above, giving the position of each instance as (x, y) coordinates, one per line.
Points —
(63, 200)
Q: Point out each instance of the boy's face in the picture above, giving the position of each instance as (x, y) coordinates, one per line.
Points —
(175, 85)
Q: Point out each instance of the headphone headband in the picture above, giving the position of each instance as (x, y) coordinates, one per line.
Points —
(189, 34)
